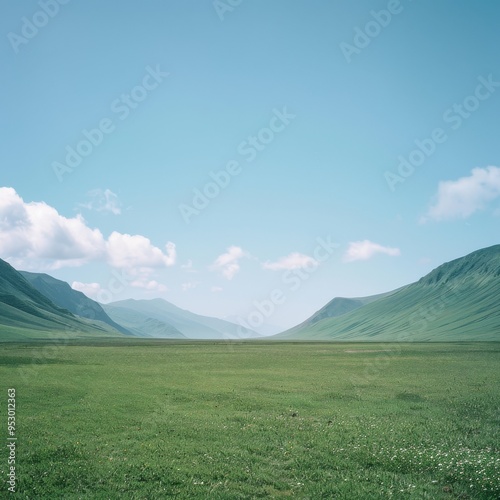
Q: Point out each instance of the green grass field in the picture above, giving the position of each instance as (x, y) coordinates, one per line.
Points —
(159, 419)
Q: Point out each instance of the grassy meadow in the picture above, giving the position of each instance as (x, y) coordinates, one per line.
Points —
(161, 419)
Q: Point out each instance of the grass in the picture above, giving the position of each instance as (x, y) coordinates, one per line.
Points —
(147, 419)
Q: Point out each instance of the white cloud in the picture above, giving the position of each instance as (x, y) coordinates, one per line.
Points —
(189, 285)
(91, 290)
(149, 285)
(34, 235)
(463, 197)
(36, 232)
(364, 250)
(125, 251)
(103, 201)
(142, 277)
(134, 278)
(216, 289)
(188, 267)
(293, 261)
(228, 263)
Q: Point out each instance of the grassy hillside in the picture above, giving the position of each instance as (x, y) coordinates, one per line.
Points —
(17, 292)
(456, 301)
(25, 313)
(187, 323)
(61, 294)
(340, 306)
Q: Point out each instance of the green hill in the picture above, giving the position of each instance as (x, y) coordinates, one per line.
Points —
(342, 305)
(456, 301)
(26, 313)
(61, 294)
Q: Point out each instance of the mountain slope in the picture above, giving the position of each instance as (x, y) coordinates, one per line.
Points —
(61, 294)
(342, 305)
(142, 325)
(189, 324)
(456, 301)
(15, 290)
(26, 313)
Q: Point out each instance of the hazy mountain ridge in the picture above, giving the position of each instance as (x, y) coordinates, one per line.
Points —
(142, 325)
(39, 302)
(189, 324)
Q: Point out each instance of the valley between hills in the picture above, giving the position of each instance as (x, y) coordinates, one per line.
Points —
(457, 301)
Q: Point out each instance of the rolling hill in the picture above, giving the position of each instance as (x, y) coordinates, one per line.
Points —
(456, 301)
(133, 313)
(26, 313)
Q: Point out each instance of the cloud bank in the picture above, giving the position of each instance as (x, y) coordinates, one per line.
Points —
(35, 235)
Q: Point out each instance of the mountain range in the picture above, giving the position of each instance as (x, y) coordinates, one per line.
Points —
(35, 305)
(27, 313)
(60, 293)
(178, 322)
(457, 301)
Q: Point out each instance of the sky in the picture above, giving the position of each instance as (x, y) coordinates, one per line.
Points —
(243, 159)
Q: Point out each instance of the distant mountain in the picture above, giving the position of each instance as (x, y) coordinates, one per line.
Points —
(459, 300)
(26, 313)
(142, 324)
(61, 294)
(266, 329)
(179, 320)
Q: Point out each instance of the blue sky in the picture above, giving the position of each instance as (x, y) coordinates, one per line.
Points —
(308, 105)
